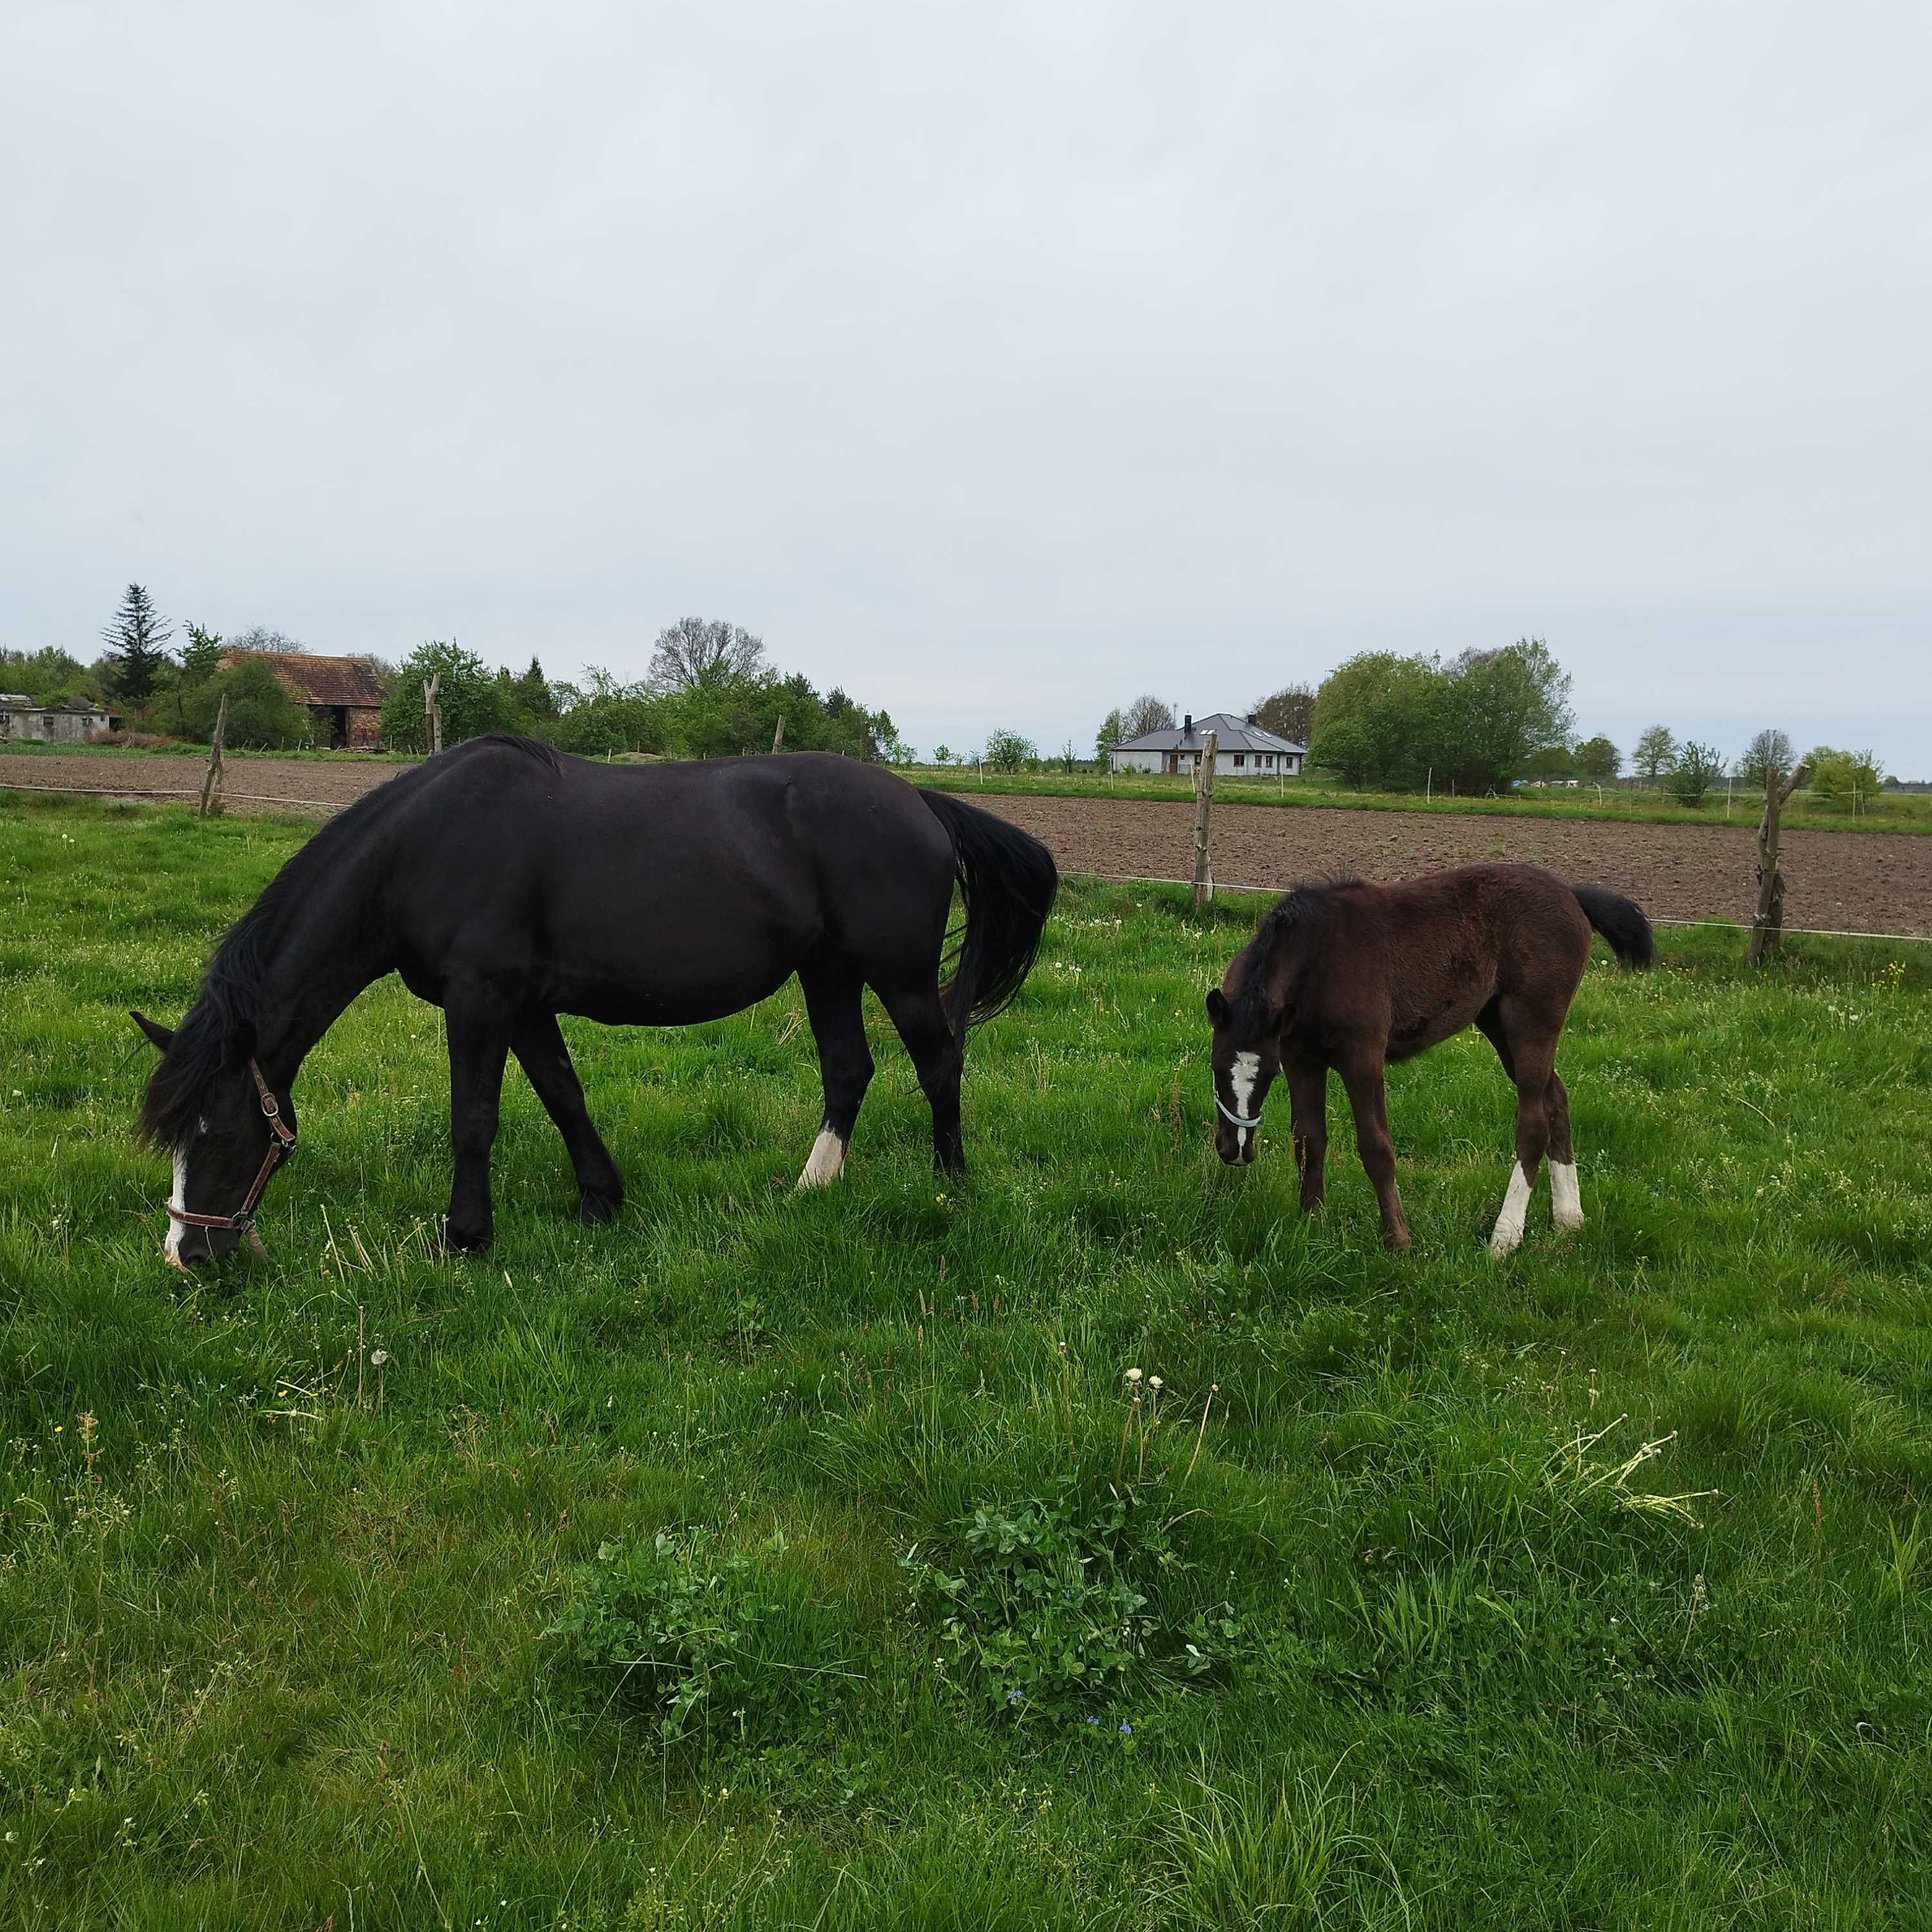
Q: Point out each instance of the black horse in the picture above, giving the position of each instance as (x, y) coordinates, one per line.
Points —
(508, 884)
(1351, 976)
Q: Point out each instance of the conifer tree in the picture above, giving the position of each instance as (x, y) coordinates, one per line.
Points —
(136, 641)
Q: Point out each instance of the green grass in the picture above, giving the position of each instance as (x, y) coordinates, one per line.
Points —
(1889, 811)
(273, 1612)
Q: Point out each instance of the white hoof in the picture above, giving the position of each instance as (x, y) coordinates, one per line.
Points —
(1507, 1237)
(828, 1156)
(1566, 1197)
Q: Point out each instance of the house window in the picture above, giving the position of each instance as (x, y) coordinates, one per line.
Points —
(1240, 758)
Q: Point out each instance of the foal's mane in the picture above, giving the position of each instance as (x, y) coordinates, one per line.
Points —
(219, 1033)
(1299, 910)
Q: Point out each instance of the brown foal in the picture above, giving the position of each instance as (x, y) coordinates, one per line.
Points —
(1351, 976)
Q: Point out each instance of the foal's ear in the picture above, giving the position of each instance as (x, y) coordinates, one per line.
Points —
(163, 1036)
(1217, 1008)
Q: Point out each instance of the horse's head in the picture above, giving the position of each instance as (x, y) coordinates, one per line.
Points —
(1244, 1059)
(227, 1133)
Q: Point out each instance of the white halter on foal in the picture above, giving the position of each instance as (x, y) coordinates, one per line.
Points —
(1229, 1115)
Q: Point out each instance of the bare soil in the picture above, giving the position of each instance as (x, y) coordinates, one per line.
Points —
(1836, 881)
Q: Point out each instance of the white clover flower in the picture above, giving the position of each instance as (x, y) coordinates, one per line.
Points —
(1133, 1375)
(378, 1357)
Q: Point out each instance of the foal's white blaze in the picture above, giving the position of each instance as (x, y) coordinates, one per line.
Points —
(179, 1199)
(1508, 1235)
(1566, 1197)
(1241, 1078)
(828, 1156)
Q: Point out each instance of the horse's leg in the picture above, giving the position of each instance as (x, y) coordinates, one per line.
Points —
(832, 1003)
(1528, 1048)
(478, 1024)
(1308, 1099)
(1566, 1196)
(1362, 1075)
(938, 1059)
(538, 1043)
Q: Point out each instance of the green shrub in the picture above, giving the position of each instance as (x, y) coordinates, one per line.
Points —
(692, 1632)
(474, 699)
(1838, 777)
(261, 715)
(1057, 1608)
(1698, 768)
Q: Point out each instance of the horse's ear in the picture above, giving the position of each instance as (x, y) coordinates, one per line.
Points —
(164, 1037)
(1217, 1008)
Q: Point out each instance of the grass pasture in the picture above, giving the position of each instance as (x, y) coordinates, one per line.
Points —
(1587, 1590)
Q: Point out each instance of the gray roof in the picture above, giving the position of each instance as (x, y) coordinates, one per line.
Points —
(1232, 734)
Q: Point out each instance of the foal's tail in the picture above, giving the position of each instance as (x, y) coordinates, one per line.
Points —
(1007, 880)
(1620, 921)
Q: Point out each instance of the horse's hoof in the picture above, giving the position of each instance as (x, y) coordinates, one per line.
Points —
(1399, 1243)
(467, 1240)
(594, 1210)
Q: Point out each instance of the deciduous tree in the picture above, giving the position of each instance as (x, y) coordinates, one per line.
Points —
(1598, 758)
(1656, 753)
(1289, 713)
(696, 652)
(1769, 752)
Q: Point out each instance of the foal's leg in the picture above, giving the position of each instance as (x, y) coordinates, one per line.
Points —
(1362, 1075)
(1566, 1196)
(1528, 1051)
(538, 1043)
(478, 1023)
(1308, 1100)
(833, 991)
(938, 1059)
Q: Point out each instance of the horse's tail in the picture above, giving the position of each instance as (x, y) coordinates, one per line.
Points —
(1007, 880)
(1620, 921)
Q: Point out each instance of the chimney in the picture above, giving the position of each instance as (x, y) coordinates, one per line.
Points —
(1187, 725)
(1254, 718)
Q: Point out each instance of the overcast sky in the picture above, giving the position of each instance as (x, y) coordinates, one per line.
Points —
(998, 363)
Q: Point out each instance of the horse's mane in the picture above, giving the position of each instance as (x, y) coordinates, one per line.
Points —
(1298, 910)
(219, 1033)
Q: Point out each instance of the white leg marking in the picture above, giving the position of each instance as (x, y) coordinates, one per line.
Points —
(828, 1156)
(1241, 1078)
(1566, 1197)
(1508, 1235)
(179, 1199)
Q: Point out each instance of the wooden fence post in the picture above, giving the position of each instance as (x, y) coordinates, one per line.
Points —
(1768, 925)
(433, 712)
(778, 737)
(1203, 807)
(211, 785)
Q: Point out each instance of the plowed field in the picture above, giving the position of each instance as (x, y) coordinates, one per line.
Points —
(1836, 881)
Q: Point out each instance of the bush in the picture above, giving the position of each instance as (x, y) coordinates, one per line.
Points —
(692, 1632)
(1698, 768)
(1839, 777)
(474, 700)
(1053, 1607)
(1475, 723)
(1007, 751)
(261, 715)
(600, 726)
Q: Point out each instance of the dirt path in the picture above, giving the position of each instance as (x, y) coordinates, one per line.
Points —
(1838, 881)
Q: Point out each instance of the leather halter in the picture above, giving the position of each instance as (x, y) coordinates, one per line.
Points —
(1229, 1113)
(281, 1144)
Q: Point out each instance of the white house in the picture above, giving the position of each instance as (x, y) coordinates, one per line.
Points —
(1242, 749)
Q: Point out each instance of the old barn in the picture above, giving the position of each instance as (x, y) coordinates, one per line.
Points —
(343, 695)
